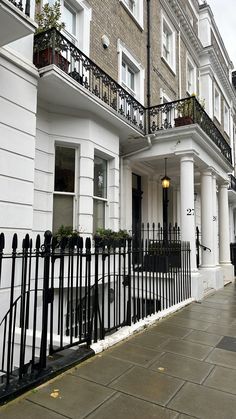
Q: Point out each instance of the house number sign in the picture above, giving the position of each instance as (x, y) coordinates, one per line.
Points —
(190, 211)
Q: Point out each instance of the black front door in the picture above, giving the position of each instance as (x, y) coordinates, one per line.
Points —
(136, 210)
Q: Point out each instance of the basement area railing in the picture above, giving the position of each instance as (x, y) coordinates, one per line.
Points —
(56, 295)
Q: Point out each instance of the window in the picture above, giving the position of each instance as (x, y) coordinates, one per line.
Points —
(168, 43)
(131, 5)
(131, 72)
(69, 16)
(100, 193)
(64, 187)
(217, 107)
(135, 7)
(226, 118)
(128, 76)
(191, 77)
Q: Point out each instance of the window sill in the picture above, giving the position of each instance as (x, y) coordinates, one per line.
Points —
(135, 19)
(168, 66)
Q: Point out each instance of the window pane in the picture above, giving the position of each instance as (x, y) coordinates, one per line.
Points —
(62, 211)
(123, 72)
(64, 169)
(100, 177)
(98, 214)
(130, 79)
(69, 18)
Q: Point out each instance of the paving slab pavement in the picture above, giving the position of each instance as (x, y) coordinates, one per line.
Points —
(182, 367)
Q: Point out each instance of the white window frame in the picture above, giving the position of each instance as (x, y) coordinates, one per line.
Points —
(217, 113)
(99, 198)
(189, 63)
(124, 55)
(73, 194)
(166, 26)
(84, 15)
(137, 12)
(226, 119)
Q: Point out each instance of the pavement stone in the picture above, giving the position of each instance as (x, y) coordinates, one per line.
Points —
(183, 347)
(102, 369)
(148, 385)
(204, 403)
(131, 408)
(203, 337)
(135, 354)
(182, 367)
(77, 397)
(222, 379)
(25, 409)
(149, 340)
(223, 358)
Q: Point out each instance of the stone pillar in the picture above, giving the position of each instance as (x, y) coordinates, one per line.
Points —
(224, 224)
(215, 222)
(187, 221)
(207, 218)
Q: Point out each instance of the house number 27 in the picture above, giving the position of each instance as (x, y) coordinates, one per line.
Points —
(190, 211)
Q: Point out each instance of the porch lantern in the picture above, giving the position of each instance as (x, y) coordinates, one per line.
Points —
(165, 181)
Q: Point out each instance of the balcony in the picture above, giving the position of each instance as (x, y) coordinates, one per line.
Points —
(87, 87)
(70, 78)
(185, 112)
(15, 22)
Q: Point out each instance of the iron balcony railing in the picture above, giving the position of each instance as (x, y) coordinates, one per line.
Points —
(184, 112)
(51, 47)
(24, 8)
(232, 183)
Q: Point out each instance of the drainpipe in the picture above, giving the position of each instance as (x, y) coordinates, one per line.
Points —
(147, 147)
(179, 61)
(148, 61)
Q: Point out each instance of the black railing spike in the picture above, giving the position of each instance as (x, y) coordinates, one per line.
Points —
(153, 226)
(80, 242)
(2, 242)
(47, 237)
(14, 242)
(38, 242)
(26, 241)
(88, 243)
(31, 244)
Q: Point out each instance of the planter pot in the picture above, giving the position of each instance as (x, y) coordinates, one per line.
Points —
(183, 120)
(45, 57)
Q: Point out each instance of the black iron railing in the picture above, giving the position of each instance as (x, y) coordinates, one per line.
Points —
(19, 5)
(184, 112)
(57, 295)
(232, 183)
(51, 47)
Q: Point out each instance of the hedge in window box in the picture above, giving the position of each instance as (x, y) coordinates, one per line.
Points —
(109, 238)
(48, 18)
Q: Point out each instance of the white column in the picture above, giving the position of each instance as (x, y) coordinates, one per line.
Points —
(113, 193)
(224, 224)
(215, 222)
(207, 218)
(187, 223)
